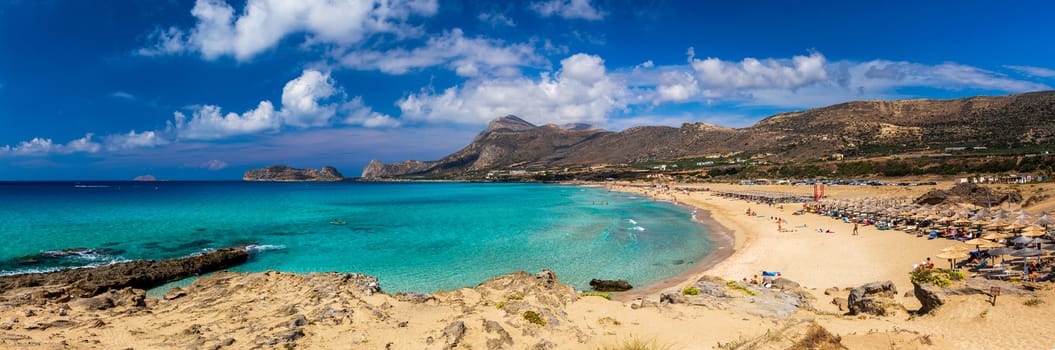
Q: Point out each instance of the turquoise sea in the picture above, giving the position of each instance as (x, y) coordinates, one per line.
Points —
(413, 236)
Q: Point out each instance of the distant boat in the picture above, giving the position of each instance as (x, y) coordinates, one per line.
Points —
(337, 222)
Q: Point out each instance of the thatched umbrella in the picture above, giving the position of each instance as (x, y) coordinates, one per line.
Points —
(955, 248)
(990, 245)
(1033, 231)
(977, 242)
(952, 257)
(995, 236)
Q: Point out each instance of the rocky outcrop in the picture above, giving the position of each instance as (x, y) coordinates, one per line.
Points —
(873, 298)
(285, 173)
(931, 297)
(142, 274)
(969, 193)
(376, 169)
(610, 285)
(715, 293)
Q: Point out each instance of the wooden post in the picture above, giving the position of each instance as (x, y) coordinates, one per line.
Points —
(993, 292)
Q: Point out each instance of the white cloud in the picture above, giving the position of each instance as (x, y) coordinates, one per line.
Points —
(468, 57)
(754, 73)
(301, 97)
(881, 74)
(357, 113)
(214, 165)
(134, 140)
(805, 81)
(36, 146)
(44, 146)
(568, 9)
(84, 144)
(496, 19)
(164, 42)
(311, 100)
(123, 95)
(580, 92)
(1034, 71)
(262, 24)
(676, 87)
(208, 122)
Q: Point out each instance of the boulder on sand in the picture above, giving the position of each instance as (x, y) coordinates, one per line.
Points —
(872, 298)
(610, 285)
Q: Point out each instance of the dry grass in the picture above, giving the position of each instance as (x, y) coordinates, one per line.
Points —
(636, 343)
(819, 338)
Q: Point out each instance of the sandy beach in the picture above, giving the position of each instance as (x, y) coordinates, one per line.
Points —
(336, 311)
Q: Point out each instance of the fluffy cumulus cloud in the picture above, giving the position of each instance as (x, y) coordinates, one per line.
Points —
(210, 123)
(262, 24)
(580, 92)
(798, 71)
(44, 146)
(468, 57)
(133, 140)
(568, 9)
(302, 97)
(676, 87)
(310, 100)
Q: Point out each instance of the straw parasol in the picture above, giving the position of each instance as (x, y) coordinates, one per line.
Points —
(995, 236)
(1033, 231)
(990, 245)
(952, 257)
(955, 248)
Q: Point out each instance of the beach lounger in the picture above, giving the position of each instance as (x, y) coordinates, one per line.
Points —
(1002, 275)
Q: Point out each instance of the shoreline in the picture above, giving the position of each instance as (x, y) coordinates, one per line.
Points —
(723, 246)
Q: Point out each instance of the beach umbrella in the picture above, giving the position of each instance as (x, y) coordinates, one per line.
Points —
(1044, 219)
(1021, 240)
(1001, 251)
(996, 224)
(995, 236)
(989, 245)
(977, 241)
(952, 257)
(1032, 233)
(1026, 252)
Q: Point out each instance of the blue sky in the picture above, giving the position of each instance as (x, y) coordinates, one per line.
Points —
(207, 89)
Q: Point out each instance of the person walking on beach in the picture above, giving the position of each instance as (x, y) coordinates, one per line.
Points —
(855, 228)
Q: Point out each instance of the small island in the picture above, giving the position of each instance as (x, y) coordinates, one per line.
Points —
(285, 173)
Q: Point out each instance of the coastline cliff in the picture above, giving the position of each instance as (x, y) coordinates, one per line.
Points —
(285, 173)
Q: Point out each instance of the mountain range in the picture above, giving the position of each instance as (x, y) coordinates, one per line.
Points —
(852, 129)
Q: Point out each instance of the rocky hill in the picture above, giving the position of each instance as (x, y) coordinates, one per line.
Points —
(285, 173)
(859, 128)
